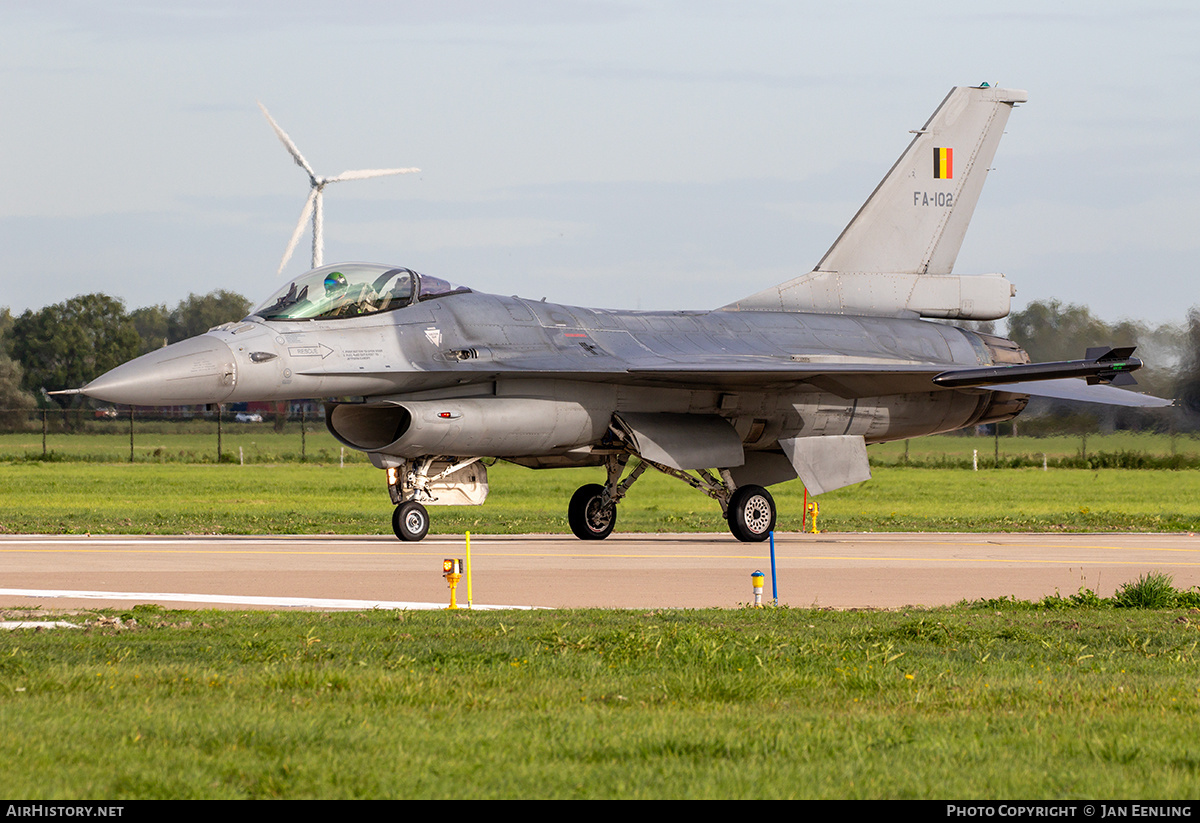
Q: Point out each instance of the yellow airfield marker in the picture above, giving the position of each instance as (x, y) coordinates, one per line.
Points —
(452, 571)
(469, 601)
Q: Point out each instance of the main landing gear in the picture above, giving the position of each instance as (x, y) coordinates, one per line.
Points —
(749, 510)
(751, 513)
(591, 513)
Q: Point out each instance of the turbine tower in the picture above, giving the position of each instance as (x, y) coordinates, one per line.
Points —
(313, 204)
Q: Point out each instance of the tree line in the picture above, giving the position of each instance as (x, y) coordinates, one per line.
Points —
(67, 344)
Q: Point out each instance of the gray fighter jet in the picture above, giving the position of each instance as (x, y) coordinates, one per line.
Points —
(793, 381)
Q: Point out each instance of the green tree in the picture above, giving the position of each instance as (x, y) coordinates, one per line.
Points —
(152, 324)
(15, 402)
(1051, 331)
(6, 321)
(1188, 387)
(1048, 330)
(67, 344)
(199, 313)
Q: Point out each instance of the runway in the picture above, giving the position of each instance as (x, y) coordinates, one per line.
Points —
(555, 571)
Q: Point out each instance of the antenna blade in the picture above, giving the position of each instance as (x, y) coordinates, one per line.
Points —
(366, 173)
(291, 246)
(288, 144)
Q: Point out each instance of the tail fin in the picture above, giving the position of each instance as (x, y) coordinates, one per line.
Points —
(913, 223)
(915, 220)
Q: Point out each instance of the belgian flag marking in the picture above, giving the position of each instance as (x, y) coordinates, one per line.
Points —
(943, 164)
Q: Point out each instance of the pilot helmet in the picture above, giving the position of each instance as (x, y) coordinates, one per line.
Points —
(335, 281)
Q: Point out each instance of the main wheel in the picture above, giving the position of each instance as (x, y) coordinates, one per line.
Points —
(410, 521)
(751, 514)
(590, 516)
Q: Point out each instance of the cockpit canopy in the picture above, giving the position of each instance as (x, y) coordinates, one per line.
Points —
(352, 290)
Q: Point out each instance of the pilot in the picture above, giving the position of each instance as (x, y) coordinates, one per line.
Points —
(347, 302)
(335, 281)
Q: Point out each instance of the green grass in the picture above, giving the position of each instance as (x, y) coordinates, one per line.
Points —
(177, 486)
(74, 498)
(991, 700)
(1153, 590)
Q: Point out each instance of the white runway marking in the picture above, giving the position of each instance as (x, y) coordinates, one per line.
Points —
(244, 600)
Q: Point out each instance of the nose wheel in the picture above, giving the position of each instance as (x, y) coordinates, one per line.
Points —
(410, 521)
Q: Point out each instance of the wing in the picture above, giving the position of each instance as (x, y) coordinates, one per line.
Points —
(846, 377)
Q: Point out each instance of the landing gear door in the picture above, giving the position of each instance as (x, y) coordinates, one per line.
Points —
(466, 487)
(437, 482)
(683, 441)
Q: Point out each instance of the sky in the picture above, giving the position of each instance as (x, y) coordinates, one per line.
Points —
(642, 155)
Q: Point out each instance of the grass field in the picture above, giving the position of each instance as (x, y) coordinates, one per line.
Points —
(991, 700)
(74, 498)
(1069, 698)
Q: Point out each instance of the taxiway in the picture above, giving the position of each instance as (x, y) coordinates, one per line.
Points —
(624, 571)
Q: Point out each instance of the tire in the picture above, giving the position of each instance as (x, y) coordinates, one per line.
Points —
(410, 521)
(751, 514)
(588, 515)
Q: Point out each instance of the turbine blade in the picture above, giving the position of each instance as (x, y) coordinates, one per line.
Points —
(291, 246)
(363, 174)
(288, 144)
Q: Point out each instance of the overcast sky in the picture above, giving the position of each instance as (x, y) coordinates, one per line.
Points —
(594, 152)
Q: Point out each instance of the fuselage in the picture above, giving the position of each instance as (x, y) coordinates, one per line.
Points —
(585, 363)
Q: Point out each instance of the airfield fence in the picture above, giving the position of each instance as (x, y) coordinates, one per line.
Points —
(170, 436)
(298, 434)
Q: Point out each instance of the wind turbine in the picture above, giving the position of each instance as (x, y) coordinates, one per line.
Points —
(313, 204)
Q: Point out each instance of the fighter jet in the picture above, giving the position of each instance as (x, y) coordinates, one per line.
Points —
(795, 380)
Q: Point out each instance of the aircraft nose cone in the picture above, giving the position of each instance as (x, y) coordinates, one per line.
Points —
(198, 370)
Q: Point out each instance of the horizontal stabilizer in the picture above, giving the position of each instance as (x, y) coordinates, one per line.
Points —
(1070, 388)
